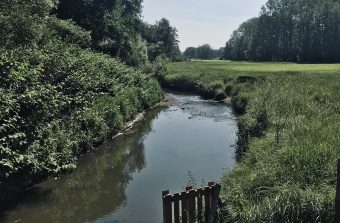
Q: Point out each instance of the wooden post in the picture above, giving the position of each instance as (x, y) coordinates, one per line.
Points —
(207, 200)
(167, 210)
(215, 195)
(199, 205)
(176, 208)
(189, 205)
(184, 207)
(337, 198)
(192, 206)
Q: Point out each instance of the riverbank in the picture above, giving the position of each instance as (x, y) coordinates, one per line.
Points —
(288, 137)
(18, 185)
(51, 118)
(126, 174)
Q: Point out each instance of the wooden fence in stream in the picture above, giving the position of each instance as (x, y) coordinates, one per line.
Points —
(191, 206)
(200, 205)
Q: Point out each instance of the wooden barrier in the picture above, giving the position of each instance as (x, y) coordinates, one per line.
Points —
(193, 205)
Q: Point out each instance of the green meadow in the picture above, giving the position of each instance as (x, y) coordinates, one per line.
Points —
(288, 136)
(242, 67)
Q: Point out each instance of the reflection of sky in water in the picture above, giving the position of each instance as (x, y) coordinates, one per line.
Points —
(123, 180)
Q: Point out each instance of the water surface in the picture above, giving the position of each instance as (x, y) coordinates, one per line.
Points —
(190, 142)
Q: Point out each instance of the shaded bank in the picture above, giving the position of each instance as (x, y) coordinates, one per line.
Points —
(127, 174)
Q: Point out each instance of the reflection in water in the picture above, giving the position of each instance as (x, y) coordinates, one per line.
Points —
(122, 181)
(95, 188)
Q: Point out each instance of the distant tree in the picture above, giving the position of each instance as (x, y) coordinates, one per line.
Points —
(219, 53)
(190, 53)
(204, 52)
(289, 30)
(162, 39)
(239, 45)
(168, 36)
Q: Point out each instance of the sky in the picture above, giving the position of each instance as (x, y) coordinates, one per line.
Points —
(202, 21)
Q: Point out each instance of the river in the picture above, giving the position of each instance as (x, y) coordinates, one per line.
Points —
(188, 143)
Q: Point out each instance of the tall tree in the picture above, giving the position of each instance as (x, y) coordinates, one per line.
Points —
(289, 30)
(162, 39)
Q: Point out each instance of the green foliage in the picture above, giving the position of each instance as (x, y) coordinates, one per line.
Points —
(117, 29)
(220, 95)
(162, 39)
(289, 30)
(56, 110)
(58, 99)
(204, 52)
(285, 174)
(70, 32)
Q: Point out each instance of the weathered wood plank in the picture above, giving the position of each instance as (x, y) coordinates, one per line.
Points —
(191, 204)
(214, 202)
(184, 207)
(167, 207)
(199, 205)
(207, 199)
(176, 208)
(164, 193)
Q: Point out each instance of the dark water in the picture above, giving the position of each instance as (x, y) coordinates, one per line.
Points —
(122, 181)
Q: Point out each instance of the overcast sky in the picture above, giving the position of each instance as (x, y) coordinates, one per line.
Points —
(202, 21)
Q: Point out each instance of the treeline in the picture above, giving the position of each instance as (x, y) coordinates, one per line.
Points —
(289, 30)
(117, 28)
(64, 82)
(204, 52)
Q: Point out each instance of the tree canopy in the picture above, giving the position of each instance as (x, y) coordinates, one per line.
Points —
(203, 52)
(63, 83)
(289, 30)
(117, 28)
(162, 39)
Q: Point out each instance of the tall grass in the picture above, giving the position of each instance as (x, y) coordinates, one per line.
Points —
(288, 138)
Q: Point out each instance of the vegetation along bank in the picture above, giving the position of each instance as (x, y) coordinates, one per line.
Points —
(288, 135)
(67, 85)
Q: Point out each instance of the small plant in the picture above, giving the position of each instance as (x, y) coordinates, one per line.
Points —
(191, 180)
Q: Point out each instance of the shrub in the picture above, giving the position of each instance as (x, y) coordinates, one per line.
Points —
(239, 103)
(51, 115)
(70, 32)
(220, 95)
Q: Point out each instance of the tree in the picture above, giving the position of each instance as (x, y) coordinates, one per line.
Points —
(114, 24)
(190, 53)
(289, 30)
(162, 39)
(19, 29)
(204, 52)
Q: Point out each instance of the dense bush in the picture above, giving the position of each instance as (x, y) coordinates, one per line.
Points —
(58, 98)
(59, 108)
(70, 32)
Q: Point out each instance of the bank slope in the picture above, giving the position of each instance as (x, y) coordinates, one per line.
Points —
(288, 139)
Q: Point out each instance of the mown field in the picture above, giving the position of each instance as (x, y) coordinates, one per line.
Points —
(288, 138)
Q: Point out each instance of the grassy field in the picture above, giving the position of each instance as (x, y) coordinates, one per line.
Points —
(288, 138)
(231, 68)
